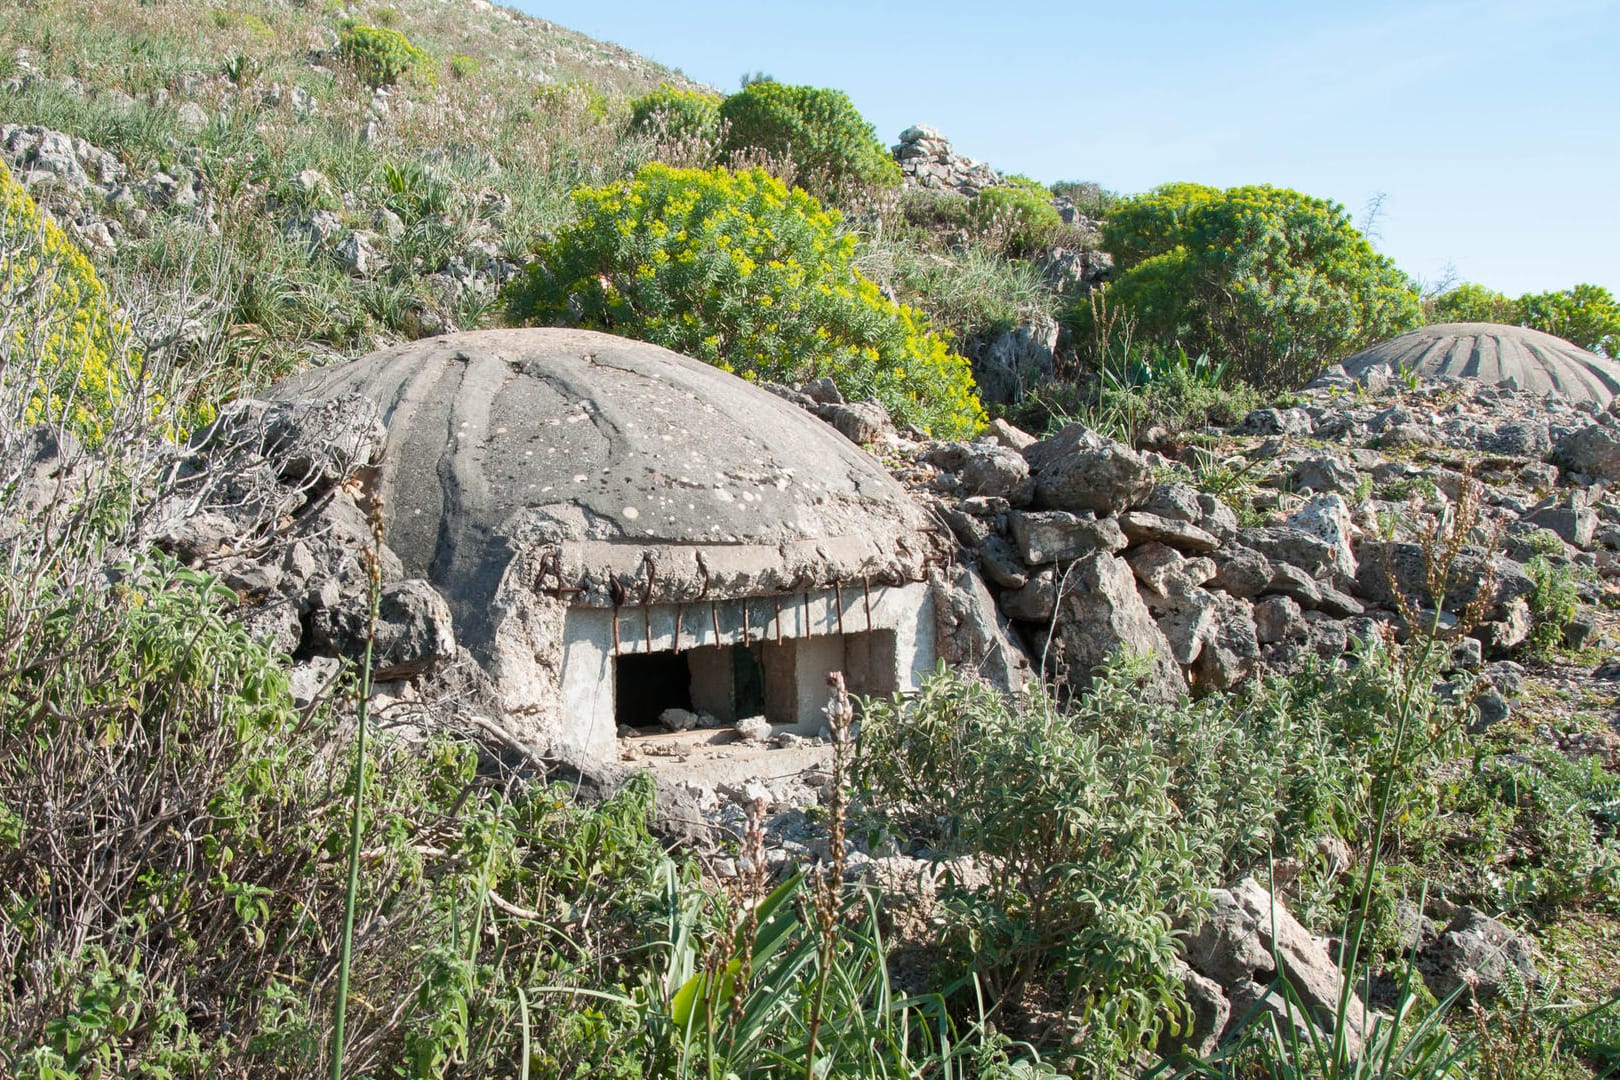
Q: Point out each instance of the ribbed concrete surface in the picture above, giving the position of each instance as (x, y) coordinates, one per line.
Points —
(1491, 352)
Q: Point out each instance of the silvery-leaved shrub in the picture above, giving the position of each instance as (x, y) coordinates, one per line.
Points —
(736, 270)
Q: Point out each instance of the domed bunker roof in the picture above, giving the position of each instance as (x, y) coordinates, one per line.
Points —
(608, 471)
(1491, 352)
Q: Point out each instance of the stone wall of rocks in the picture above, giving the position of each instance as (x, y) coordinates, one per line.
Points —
(1093, 547)
(928, 162)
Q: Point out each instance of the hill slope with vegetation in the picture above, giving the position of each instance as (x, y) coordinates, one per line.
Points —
(207, 863)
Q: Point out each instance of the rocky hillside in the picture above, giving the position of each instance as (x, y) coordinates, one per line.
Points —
(1279, 734)
(230, 166)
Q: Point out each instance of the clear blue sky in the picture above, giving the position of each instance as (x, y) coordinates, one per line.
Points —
(1492, 127)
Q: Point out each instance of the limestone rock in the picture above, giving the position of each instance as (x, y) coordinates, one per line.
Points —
(1277, 422)
(996, 471)
(1231, 650)
(972, 635)
(1278, 618)
(1018, 360)
(1248, 937)
(754, 729)
(1593, 450)
(1011, 437)
(1327, 517)
(1241, 571)
(1034, 601)
(1292, 545)
(1099, 614)
(1053, 536)
(1000, 563)
(1078, 469)
(1175, 502)
(1140, 525)
(861, 422)
(1477, 951)
(1216, 518)
(1211, 1012)
(414, 630)
(1322, 475)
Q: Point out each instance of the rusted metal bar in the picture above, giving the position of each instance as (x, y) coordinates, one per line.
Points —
(680, 611)
(838, 594)
(748, 632)
(778, 600)
(866, 588)
(714, 616)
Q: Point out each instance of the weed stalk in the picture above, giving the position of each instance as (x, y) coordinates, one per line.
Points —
(357, 815)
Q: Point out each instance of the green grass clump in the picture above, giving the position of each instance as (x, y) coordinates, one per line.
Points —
(381, 55)
(736, 270)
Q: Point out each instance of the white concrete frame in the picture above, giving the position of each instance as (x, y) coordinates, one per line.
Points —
(809, 628)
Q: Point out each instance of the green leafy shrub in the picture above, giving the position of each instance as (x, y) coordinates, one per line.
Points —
(1473, 303)
(833, 147)
(1074, 830)
(735, 270)
(62, 333)
(1275, 283)
(1586, 315)
(202, 816)
(1019, 218)
(676, 114)
(381, 55)
(1554, 601)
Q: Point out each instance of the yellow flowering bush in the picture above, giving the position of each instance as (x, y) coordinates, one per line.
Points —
(57, 326)
(381, 55)
(735, 269)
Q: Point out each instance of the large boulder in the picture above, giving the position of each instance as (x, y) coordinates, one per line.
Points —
(1248, 938)
(1593, 450)
(1079, 469)
(1099, 614)
(1053, 536)
(1327, 517)
(1481, 953)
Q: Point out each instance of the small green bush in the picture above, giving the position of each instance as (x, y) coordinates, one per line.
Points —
(1272, 282)
(1554, 601)
(1472, 303)
(1018, 218)
(381, 55)
(835, 150)
(677, 114)
(1091, 199)
(1586, 315)
(735, 270)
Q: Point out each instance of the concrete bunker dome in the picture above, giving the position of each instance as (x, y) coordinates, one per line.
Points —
(1495, 353)
(618, 528)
